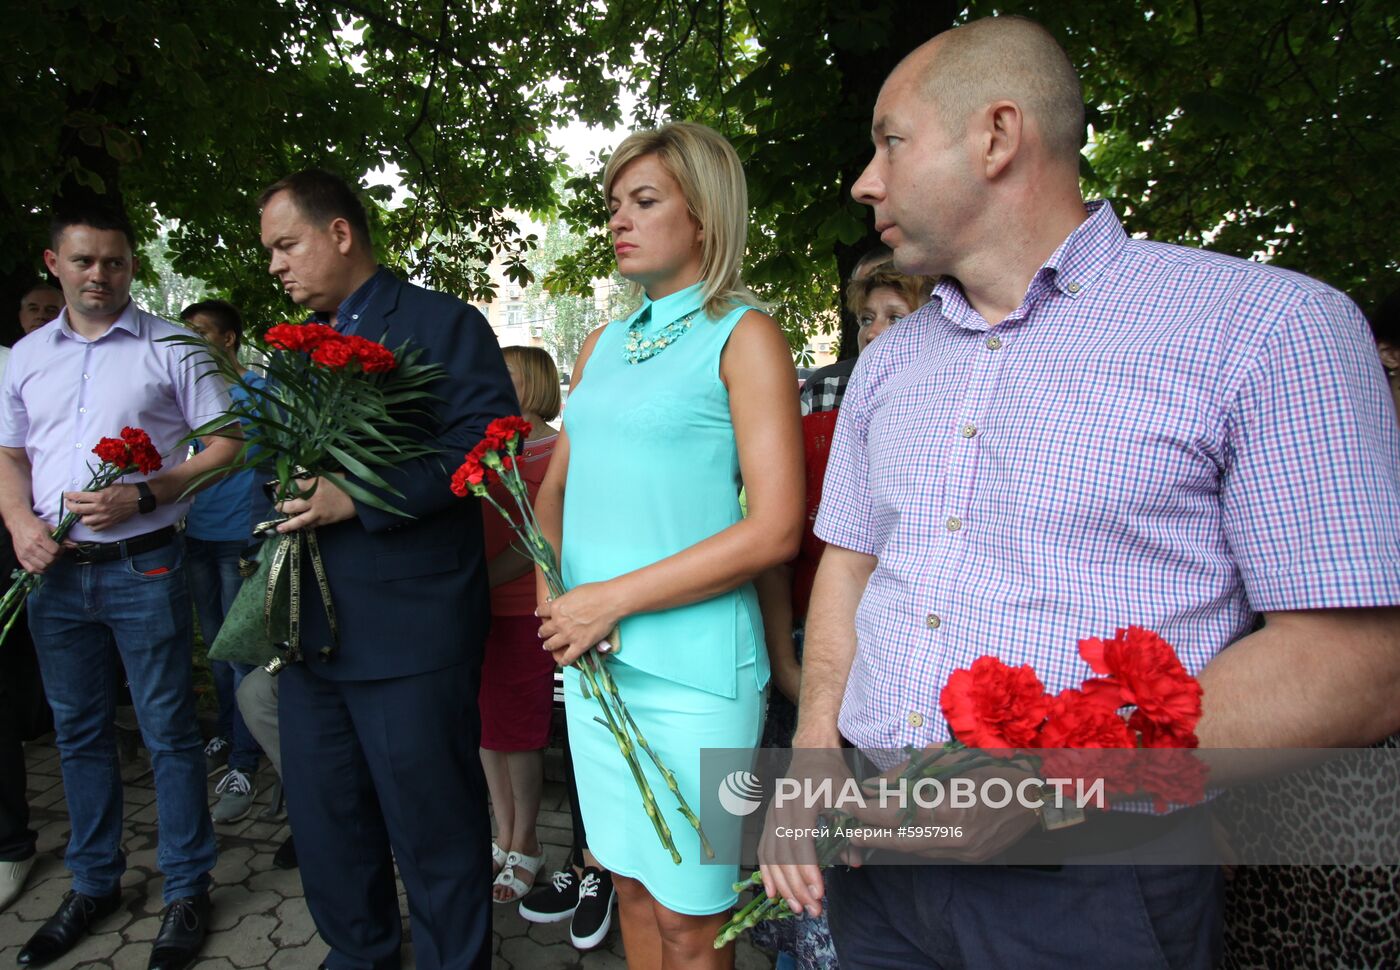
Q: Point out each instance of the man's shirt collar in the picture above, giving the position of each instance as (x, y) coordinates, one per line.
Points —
(129, 320)
(1071, 270)
(353, 307)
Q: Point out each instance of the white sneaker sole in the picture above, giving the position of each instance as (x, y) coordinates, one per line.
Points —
(532, 916)
(596, 938)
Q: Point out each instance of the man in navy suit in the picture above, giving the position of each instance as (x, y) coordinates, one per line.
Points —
(380, 742)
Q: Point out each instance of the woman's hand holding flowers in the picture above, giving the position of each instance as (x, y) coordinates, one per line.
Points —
(578, 620)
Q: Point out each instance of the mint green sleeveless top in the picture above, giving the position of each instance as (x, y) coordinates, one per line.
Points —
(654, 469)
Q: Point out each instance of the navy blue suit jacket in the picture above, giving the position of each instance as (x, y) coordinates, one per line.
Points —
(411, 594)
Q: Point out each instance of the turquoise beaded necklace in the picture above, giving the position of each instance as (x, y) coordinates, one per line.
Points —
(639, 348)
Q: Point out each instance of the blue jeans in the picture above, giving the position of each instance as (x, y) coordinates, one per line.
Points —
(140, 606)
(212, 569)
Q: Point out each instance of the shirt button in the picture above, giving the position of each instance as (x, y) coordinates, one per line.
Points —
(78, 445)
(933, 621)
(993, 343)
(954, 524)
(85, 377)
(1073, 287)
(916, 719)
(82, 410)
(969, 431)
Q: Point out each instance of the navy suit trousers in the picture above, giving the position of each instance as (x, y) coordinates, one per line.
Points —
(377, 766)
(989, 917)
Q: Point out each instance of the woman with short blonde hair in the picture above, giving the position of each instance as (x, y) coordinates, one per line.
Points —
(711, 178)
(538, 382)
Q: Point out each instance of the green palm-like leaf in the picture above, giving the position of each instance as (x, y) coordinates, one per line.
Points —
(309, 418)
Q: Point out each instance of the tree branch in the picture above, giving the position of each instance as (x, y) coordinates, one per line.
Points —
(658, 89)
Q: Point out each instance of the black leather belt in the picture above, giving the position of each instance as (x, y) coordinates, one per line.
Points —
(87, 553)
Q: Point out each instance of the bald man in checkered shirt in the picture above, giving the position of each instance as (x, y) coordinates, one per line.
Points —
(1082, 431)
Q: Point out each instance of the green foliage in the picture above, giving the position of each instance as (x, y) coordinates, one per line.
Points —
(792, 83)
(565, 315)
(1262, 130)
(304, 418)
(1266, 131)
(167, 292)
(188, 110)
(1257, 129)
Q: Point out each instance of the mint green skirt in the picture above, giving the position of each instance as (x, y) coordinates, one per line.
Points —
(678, 721)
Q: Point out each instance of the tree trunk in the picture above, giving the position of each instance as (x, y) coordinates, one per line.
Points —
(911, 23)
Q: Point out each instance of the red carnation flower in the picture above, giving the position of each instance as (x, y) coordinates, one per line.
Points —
(1153, 735)
(1144, 669)
(146, 458)
(299, 336)
(472, 472)
(334, 354)
(510, 431)
(993, 705)
(374, 357)
(1089, 742)
(460, 486)
(113, 451)
(1077, 720)
(141, 452)
(1169, 776)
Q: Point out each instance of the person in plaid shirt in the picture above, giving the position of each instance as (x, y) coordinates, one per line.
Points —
(1113, 432)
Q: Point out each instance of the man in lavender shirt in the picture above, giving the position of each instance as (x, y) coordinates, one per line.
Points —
(1082, 431)
(119, 583)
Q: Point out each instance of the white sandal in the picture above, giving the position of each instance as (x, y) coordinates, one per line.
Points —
(508, 880)
(498, 859)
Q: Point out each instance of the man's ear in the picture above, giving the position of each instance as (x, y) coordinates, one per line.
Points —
(1003, 131)
(51, 261)
(343, 235)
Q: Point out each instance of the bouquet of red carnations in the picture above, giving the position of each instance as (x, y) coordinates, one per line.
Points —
(328, 403)
(493, 459)
(1090, 735)
(132, 452)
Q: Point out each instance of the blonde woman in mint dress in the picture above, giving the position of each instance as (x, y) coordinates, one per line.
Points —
(672, 409)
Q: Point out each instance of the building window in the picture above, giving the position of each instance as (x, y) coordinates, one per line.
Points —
(515, 315)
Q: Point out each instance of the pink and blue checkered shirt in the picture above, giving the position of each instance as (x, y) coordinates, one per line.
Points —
(1156, 436)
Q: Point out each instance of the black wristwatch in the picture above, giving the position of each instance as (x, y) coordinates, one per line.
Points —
(147, 501)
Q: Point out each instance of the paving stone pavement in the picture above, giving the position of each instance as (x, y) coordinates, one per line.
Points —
(260, 917)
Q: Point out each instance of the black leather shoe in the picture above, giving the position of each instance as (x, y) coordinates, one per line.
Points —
(286, 855)
(62, 931)
(182, 931)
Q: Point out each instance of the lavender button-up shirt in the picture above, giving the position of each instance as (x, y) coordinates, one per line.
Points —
(1157, 436)
(62, 392)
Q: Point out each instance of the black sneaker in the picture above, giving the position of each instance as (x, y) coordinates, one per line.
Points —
(554, 902)
(593, 917)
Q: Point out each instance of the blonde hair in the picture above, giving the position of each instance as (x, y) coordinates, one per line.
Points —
(539, 380)
(914, 289)
(711, 178)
